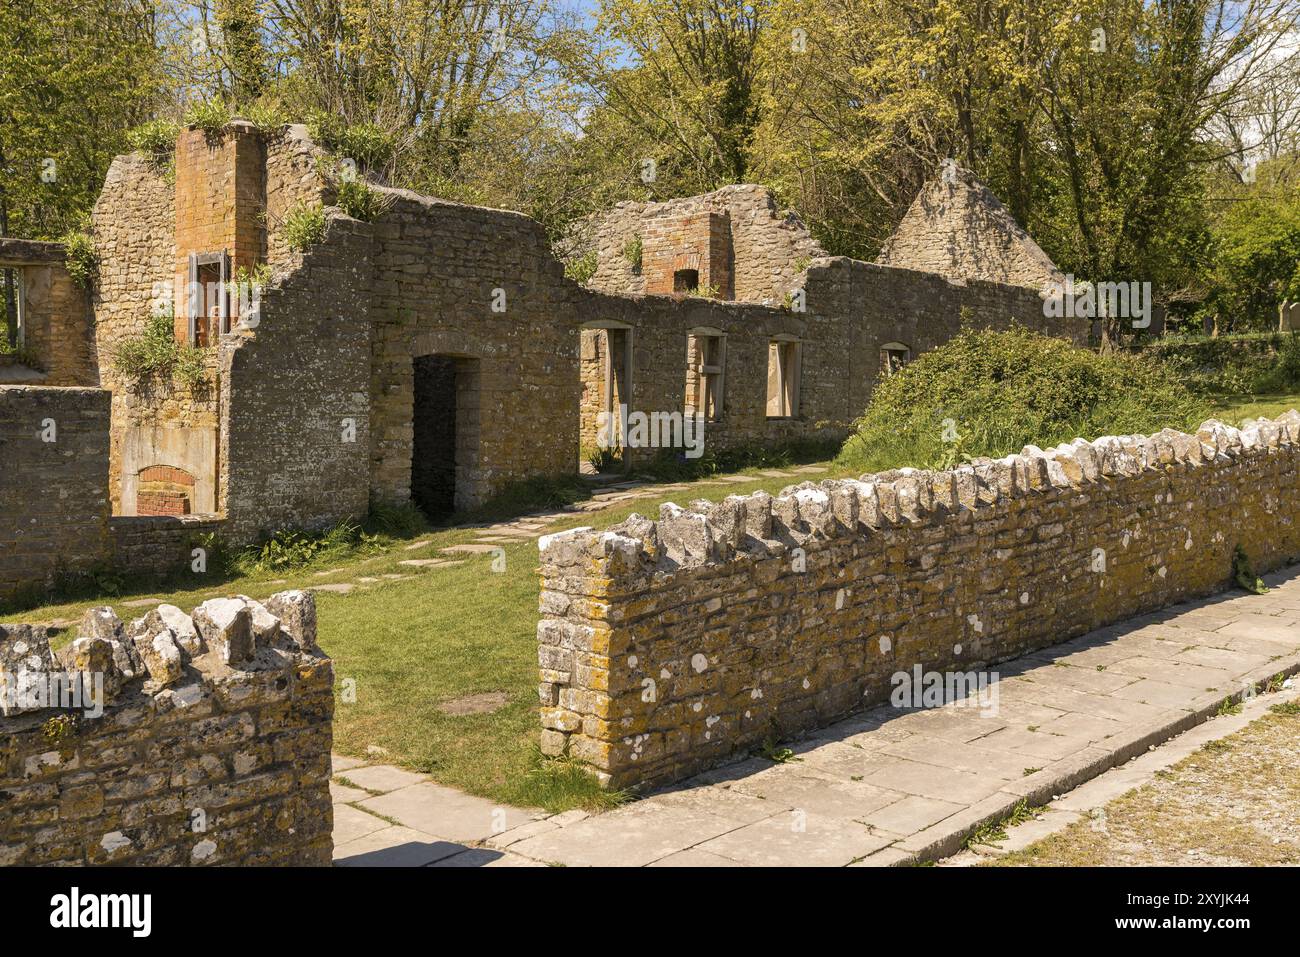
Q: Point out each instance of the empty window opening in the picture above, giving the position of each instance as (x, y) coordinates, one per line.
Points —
(14, 324)
(605, 368)
(782, 378)
(208, 297)
(686, 280)
(893, 356)
(444, 452)
(706, 366)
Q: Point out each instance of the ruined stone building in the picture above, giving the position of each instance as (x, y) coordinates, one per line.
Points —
(437, 353)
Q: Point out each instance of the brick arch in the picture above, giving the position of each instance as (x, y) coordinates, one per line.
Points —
(166, 473)
(164, 490)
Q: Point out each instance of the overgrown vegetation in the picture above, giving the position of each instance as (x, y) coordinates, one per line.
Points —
(156, 139)
(1245, 364)
(303, 226)
(155, 354)
(359, 199)
(81, 261)
(632, 252)
(211, 116)
(991, 393)
(581, 268)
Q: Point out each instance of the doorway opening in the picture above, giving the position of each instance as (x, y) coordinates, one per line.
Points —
(444, 449)
(605, 367)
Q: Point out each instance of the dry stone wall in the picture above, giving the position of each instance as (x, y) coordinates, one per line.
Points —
(667, 646)
(200, 740)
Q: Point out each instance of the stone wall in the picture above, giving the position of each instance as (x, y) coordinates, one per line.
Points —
(157, 422)
(957, 228)
(768, 248)
(159, 544)
(53, 494)
(198, 741)
(295, 446)
(55, 330)
(666, 646)
(293, 177)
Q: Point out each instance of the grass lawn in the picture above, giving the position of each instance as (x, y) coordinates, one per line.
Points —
(1237, 408)
(443, 634)
(1235, 802)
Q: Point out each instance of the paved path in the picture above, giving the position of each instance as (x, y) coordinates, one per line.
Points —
(886, 787)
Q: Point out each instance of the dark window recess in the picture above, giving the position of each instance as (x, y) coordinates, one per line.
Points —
(684, 280)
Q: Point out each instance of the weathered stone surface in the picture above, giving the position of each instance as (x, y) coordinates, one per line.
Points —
(695, 651)
(226, 626)
(25, 668)
(232, 768)
(162, 656)
(296, 611)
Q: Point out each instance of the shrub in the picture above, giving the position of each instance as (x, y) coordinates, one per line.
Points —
(81, 262)
(632, 252)
(988, 393)
(211, 116)
(359, 200)
(268, 118)
(581, 268)
(369, 146)
(303, 226)
(156, 353)
(156, 139)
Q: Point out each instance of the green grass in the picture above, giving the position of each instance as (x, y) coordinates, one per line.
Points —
(1235, 409)
(442, 634)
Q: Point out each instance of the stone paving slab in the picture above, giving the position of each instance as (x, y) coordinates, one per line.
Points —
(886, 787)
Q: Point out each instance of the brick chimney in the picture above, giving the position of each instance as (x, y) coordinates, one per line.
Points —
(220, 200)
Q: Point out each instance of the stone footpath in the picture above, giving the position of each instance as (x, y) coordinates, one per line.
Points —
(887, 787)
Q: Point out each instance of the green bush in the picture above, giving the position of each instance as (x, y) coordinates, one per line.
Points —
(156, 139)
(211, 116)
(156, 353)
(988, 393)
(359, 200)
(81, 262)
(581, 268)
(303, 226)
(369, 146)
(633, 250)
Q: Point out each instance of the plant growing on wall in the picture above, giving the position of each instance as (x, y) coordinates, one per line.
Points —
(303, 226)
(155, 353)
(156, 139)
(80, 259)
(632, 251)
(581, 268)
(357, 199)
(211, 116)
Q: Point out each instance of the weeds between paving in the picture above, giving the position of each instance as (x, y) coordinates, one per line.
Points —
(1234, 802)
